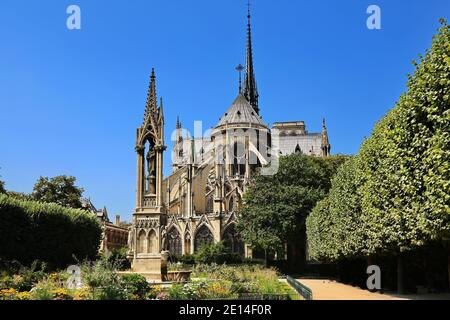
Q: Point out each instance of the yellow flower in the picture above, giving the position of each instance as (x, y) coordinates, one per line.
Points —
(58, 291)
(54, 276)
(23, 295)
(8, 293)
(81, 294)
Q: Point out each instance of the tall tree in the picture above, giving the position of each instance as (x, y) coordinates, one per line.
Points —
(275, 207)
(60, 189)
(2, 187)
(403, 189)
(407, 160)
(335, 227)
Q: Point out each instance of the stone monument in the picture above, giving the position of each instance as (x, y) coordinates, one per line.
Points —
(149, 218)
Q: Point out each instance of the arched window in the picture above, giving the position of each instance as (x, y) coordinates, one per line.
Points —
(232, 240)
(152, 242)
(174, 242)
(203, 237)
(142, 242)
(238, 168)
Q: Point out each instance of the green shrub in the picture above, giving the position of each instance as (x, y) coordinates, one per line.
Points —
(47, 232)
(216, 253)
(27, 277)
(118, 257)
(103, 281)
(187, 259)
(244, 281)
(21, 278)
(52, 287)
(136, 285)
(195, 290)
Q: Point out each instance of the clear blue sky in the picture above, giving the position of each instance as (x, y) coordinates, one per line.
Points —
(70, 101)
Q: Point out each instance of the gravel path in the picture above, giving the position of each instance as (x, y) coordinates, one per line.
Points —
(331, 290)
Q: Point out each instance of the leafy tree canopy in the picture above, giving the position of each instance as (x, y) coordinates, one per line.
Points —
(60, 189)
(275, 207)
(395, 195)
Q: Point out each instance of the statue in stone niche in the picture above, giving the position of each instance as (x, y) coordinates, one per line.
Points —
(130, 241)
(163, 238)
(151, 167)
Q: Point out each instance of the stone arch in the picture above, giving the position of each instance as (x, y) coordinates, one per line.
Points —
(141, 242)
(232, 239)
(152, 242)
(174, 244)
(203, 236)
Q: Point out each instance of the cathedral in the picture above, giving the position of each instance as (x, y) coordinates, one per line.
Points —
(198, 203)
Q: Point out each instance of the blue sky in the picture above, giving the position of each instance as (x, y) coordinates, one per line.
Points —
(70, 101)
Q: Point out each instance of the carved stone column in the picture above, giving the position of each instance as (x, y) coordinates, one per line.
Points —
(159, 175)
(140, 176)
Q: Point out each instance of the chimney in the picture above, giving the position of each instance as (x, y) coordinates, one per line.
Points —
(117, 220)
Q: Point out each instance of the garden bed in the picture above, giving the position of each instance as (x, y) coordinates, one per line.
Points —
(101, 281)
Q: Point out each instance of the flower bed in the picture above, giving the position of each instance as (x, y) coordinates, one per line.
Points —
(100, 281)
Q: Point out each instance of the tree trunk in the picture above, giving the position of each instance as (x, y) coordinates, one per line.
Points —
(400, 276)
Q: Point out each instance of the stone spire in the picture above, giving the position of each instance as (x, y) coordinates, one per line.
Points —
(250, 88)
(177, 157)
(161, 110)
(326, 147)
(151, 96)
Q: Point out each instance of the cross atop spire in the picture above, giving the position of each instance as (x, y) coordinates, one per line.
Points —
(250, 88)
(239, 69)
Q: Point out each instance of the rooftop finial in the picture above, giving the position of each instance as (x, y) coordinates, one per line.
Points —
(153, 90)
(326, 147)
(239, 69)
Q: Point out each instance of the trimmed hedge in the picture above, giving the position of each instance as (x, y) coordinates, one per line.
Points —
(50, 233)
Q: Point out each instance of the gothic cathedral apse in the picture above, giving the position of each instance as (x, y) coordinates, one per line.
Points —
(198, 203)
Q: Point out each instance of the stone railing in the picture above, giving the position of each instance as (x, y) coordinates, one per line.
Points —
(149, 201)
